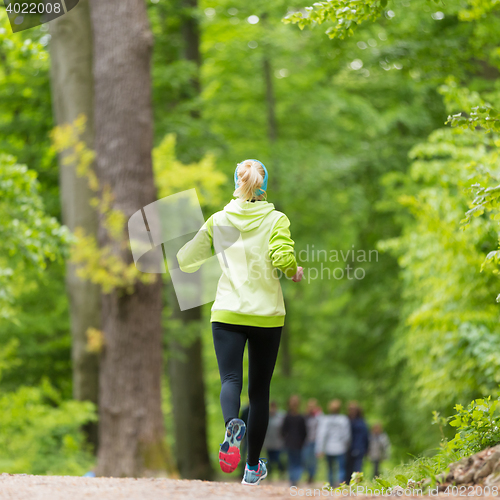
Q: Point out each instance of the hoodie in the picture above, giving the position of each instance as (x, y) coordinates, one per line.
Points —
(252, 240)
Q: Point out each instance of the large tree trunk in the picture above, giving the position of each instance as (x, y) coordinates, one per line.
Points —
(185, 363)
(185, 369)
(131, 430)
(272, 128)
(190, 28)
(272, 136)
(285, 355)
(73, 95)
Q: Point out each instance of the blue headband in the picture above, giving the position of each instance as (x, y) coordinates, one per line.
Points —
(264, 182)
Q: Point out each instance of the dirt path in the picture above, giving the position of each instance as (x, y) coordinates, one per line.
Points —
(26, 487)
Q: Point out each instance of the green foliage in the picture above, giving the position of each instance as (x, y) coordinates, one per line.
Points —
(25, 111)
(346, 15)
(487, 198)
(177, 103)
(449, 321)
(103, 265)
(41, 434)
(478, 9)
(481, 114)
(478, 426)
(29, 238)
(41, 331)
(485, 117)
(172, 176)
(41, 430)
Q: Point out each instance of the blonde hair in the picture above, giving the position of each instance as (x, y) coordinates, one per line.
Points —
(250, 178)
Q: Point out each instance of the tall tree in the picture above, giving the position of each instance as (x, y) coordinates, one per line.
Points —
(185, 361)
(131, 427)
(73, 95)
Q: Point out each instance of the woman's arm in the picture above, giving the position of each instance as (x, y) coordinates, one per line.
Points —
(195, 252)
(281, 248)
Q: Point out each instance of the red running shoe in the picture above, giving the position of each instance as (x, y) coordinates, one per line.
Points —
(229, 452)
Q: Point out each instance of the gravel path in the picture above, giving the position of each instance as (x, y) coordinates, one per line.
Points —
(26, 487)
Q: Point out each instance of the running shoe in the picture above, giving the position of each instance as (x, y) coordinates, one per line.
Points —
(229, 452)
(253, 477)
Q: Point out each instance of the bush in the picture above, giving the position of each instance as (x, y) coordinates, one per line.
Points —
(477, 426)
(41, 434)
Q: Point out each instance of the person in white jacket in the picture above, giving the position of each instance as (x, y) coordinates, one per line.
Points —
(332, 441)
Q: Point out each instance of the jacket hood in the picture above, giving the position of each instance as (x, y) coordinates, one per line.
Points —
(247, 215)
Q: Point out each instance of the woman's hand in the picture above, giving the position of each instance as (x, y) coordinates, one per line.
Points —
(298, 275)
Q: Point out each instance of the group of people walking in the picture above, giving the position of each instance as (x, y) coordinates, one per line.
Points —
(343, 440)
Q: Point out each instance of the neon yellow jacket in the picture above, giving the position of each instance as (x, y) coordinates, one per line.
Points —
(249, 290)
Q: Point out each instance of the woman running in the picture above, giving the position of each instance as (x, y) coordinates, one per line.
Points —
(246, 309)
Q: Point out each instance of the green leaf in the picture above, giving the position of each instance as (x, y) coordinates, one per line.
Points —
(403, 481)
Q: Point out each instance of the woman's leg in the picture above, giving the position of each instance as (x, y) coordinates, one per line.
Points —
(263, 345)
(229, 346)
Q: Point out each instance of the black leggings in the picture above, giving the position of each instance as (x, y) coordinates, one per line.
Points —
(263, 345)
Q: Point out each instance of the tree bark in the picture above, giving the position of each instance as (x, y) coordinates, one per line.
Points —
(191, 38)
(185, 368)
(272, 128)
(72, 95)
(131, 431)
(285, 355)
(272, 136)
(185, 363)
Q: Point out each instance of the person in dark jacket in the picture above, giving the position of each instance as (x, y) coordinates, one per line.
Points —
(294, 433)
(312, 416)
(360, 439)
